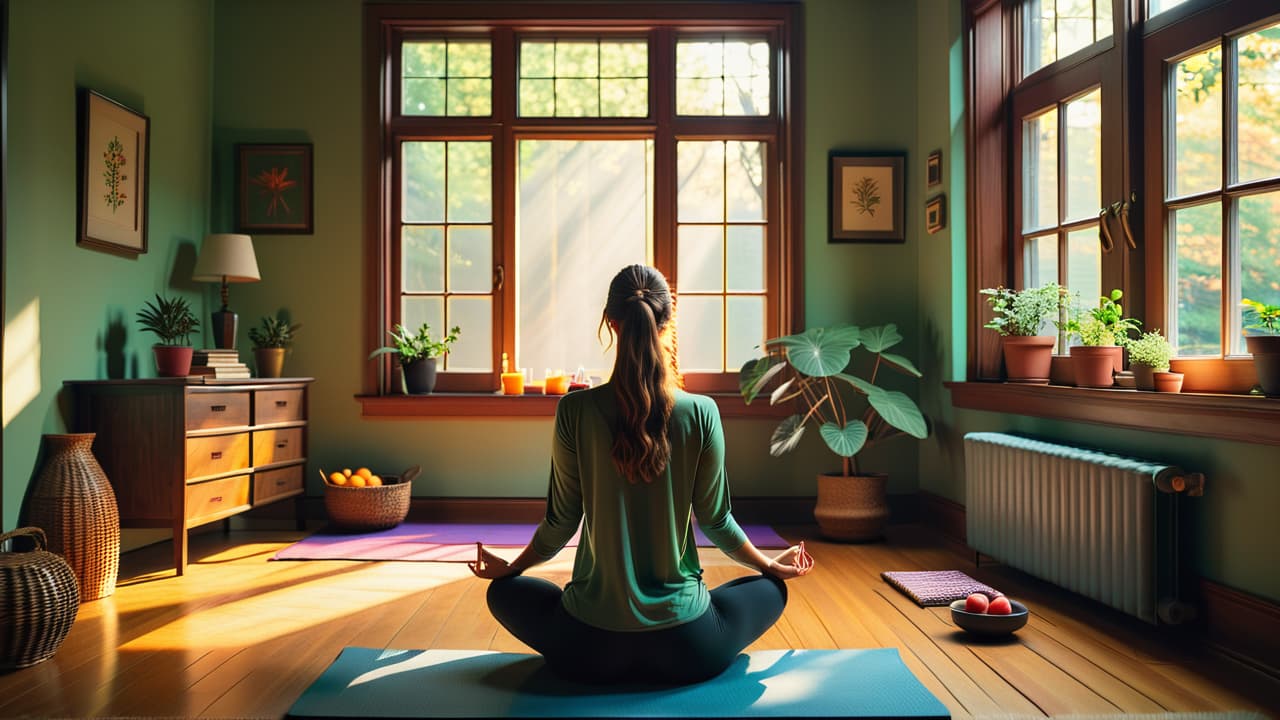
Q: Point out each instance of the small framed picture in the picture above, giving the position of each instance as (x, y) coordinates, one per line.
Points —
(274, 189)
(933, 170)
(935, 213)
(868, 202)
(113, 152)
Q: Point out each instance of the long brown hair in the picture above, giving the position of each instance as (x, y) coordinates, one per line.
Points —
(644, 377)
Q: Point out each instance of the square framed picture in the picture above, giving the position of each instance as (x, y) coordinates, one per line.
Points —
(274, 189)
(867, 197)
(933, 168)
(113, 155)
(935, 213)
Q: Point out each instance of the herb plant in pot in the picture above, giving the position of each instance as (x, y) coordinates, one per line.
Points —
(172, 322)
(417, 353)
(1148, 355)
(1264, 345)
(810, 367)
(1102, 331)
(1018, 317)
(270, 341)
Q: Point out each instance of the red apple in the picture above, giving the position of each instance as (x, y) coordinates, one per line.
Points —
(999, 606)
(976, 603)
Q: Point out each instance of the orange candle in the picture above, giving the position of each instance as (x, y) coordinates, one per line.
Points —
(557, 384)
(512, 383)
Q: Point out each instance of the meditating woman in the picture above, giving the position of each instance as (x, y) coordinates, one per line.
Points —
(633, 460)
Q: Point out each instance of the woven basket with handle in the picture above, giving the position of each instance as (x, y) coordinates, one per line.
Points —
(370, 508)
(39, 600)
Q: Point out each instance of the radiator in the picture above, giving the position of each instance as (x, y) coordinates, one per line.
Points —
(1101, 525)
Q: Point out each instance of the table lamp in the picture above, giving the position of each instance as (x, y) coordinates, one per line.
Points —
(226, 258)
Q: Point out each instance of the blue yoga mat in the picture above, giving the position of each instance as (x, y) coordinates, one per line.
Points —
(373, 683)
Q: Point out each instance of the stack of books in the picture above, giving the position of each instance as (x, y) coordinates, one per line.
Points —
(221, 363)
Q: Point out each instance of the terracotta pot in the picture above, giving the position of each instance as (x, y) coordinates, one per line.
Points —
(1142, 376)
(1095, 366)
(172, 360)
(1266, 361)
(270, 361)
(1027, 358)
(420, 376)
(1168, 381)
(853, 508)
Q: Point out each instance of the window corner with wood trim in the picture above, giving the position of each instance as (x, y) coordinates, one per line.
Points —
(1131, 145)
(520, 156)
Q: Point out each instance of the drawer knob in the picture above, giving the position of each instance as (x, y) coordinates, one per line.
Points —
(281, 482)
(282, 403)
(217, 408)
(215, 455)
(282, 444)
(215, 499)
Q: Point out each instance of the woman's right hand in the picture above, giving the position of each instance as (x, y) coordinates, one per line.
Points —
(791, 563)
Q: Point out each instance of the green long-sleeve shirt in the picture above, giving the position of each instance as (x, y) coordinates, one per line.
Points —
(637, 563)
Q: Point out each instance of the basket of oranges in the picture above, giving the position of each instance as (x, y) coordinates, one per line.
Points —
(359, 500)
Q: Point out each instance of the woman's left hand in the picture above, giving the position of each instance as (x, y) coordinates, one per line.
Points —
(489, 566)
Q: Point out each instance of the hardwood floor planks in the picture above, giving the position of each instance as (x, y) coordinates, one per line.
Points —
(240, 636)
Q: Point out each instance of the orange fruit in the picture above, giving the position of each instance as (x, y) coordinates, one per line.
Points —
(374, 481)
(338, 478)
(346, 471)
(356, 481)
(364, 473)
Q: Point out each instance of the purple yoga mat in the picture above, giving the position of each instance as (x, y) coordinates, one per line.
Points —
(449, 542)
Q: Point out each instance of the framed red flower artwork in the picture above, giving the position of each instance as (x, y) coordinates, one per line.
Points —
(274, 189)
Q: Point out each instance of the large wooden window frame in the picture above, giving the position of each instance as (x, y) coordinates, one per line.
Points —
(996, 101)
(505, 24)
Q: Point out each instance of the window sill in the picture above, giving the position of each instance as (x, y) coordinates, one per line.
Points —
(493, 405)
(1243, 418)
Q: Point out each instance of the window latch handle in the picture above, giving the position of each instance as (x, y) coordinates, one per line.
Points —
(1105, 232)
(1124, 222)
(499, 277)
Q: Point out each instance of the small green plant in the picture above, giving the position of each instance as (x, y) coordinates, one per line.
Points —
(1023, 312)
(170, 319)
(416, 346)
(274, 332)
(1151, 349)
(816, 359)
(1265, 317)
(1104, 324)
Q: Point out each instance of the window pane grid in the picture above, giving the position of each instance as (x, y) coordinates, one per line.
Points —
(1054, 29)
(583, 78)
(723, 76)
(446, 78)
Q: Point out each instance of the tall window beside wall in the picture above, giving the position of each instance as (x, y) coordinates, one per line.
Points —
(1138, 151)
(524, 157)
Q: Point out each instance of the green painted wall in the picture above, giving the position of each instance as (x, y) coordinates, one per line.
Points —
(1235, 526)
(302, 83)
(65, 305)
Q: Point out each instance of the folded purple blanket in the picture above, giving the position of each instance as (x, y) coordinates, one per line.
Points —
(936, 587)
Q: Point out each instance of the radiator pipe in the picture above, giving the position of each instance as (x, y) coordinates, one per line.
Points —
(1175, 480)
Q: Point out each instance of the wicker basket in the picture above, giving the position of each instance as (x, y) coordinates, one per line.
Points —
(39, 600)
(357, 509)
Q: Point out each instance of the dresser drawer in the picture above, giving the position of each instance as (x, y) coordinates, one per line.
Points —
(275, 406)
(216, 499)
(215, 410)
(273, 446)
(216, 454)
(273, 484)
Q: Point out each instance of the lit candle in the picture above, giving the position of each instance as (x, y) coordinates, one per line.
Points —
(557, 384)
(512, 383)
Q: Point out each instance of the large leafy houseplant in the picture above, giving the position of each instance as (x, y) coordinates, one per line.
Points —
(1019, 315)
(1264, 345)
(850, 410)
(417, 352)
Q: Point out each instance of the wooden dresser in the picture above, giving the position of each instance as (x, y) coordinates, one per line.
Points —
(183, 452)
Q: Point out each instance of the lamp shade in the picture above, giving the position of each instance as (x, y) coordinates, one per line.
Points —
(226, 257)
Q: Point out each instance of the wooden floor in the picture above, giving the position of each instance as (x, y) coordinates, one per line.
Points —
(238, 636)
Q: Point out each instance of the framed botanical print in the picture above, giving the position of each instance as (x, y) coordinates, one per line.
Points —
(867, 197)
(113, 156)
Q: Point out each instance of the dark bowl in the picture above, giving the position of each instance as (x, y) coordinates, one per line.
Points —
(990, 625)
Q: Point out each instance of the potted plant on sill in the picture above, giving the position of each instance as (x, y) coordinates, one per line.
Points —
(172, 322)
(1265, 346)
(851, 505)
(270, 341)
(1148, 355)
(417, 353)
(1019, 316)
(1102, 332)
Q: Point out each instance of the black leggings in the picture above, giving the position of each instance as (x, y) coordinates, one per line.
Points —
(741, 610)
